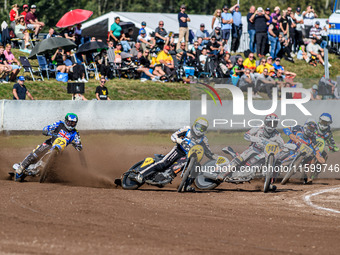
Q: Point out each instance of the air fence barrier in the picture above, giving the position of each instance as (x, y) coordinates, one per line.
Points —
(140, 115)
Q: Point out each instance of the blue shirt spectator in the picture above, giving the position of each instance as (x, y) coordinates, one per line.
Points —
(226, 16)
(237, 18)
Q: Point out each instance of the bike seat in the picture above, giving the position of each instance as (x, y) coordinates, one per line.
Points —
(158, 157)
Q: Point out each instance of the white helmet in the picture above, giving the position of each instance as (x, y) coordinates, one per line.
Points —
(325, 120)
(270, 123)
(200, 126)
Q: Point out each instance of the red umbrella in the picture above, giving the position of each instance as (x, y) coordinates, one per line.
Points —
(74, 17)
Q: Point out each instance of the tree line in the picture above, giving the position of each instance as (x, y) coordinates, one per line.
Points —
(51, 11)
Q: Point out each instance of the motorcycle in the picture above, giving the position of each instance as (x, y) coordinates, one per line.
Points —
(185, 165)
(44, 164)
(261, 164)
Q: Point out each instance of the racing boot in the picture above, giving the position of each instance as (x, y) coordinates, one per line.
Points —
(19, 177)
(31, 158)
(190, 189)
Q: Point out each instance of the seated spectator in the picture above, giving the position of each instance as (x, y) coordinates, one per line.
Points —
(250, 62)
(261, 66)
(115, 32)
(126, 40)
(13, 15)
(51, 33)
(246, 81)
(78, 97)
(218, 35)
(202, 33)
(111, 52)
(145, 66)
(265, 83)
(77, 34)
(145, 41)
(137, 48)
(314, 93)
(203, 57)
(161, 34)
(285, 49)
(32, 21)
(314, 50)
(226, 65)
(77, 70)
(213, 46)
(5, 69)
(167, 62)
(269, 66)
(59, 60)
(238, 68)
(10, 59)
(277, 67)
(104, 64)
(182, 55)
(25, 11)
(315, 32)
(68, 33)
(21, 31)
(279, 79)
(143, 26)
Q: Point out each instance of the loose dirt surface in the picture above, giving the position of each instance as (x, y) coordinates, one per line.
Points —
(79, 210)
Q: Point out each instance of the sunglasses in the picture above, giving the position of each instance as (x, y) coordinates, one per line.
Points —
(195, 44)
(146, 52)
(161, 24)
(263, 61)
(103, 81)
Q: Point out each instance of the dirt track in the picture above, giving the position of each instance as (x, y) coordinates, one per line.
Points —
(84, 214)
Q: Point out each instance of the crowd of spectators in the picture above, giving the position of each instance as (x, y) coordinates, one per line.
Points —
(272, 36)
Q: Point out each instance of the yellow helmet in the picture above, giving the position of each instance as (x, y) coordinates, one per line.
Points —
(200, 126)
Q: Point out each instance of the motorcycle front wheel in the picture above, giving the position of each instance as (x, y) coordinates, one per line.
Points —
(269, 173)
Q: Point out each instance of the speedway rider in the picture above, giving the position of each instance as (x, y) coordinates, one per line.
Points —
(256, 136)
(184, 138)
(65, 129)
(324, 131)
(305, 134)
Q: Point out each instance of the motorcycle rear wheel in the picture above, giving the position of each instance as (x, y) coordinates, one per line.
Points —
(292, 167)
(269, 173)
(187, 171)
(204, 183)
(127, 183)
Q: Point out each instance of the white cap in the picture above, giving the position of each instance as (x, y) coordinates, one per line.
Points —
(260, 9)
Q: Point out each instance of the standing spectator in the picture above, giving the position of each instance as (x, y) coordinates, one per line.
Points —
(32, 21)
(21, 31)
(183, 20)
(102, 92)
(314, 50)
(299, 28)
(203, 33)
(58, 58)
(292, 28)
(25, 11)
(161, 34)
(143, 26)
(314, 93)
(260, 21)
(236, 27)
(68, 33)
(267, 11)
(315, 32)
(308, 18)
(273, 36)
(284, 25)
(251, 29)
(227, 21)
(276, 13)
(10, 58)
(216, 20)
(115, 31)
(13, 15)
(20, 91)
(145, 40)
(250, 63)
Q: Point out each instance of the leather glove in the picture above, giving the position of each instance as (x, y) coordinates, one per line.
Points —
(335, 148)
(179, 140)
(255, 139)
(78, 147)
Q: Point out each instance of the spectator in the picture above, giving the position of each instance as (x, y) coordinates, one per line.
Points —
(182, 55)
(51, 33)
(10, 59)
(238, 68)
(183, 20)
(273, 36)
(226, 65)
(58, 58)
(143, 26)
(68, 33)
(278, 66)
(20, 91)
(195, 51)
(227, 21)
(115, 31)
(200, 43)
(314, 50)
(134, 51)
(213, 46)
(78, 97)
(269, 66)
(314, 93)
(21, 31)
(167, 62)
(308, 18)
(218, 35)
(32, 21)
(203, 33)
(25, 11)
(251, 29)
(285, 50)
(267, 11)
(77, 34)
(292, 29)
(126, 39)
(265, 83)
(145, 66)
(284, 24)
(216, 20)
(203, 57)
(145, 40)
(279, 79)
(260, 21)
(276, 13)
(104, 64)
(111, 52)
(261, 66)
(77, 70)
(161, 34)
(250, 63)
(299, 28)
(102, 92)
(247, 81)
(13, 15)
(5, 69)
(236, 27)
(315, 32)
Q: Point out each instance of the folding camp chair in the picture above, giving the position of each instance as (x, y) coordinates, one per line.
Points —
(90, 67)
(28, 68)
(45, 67)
